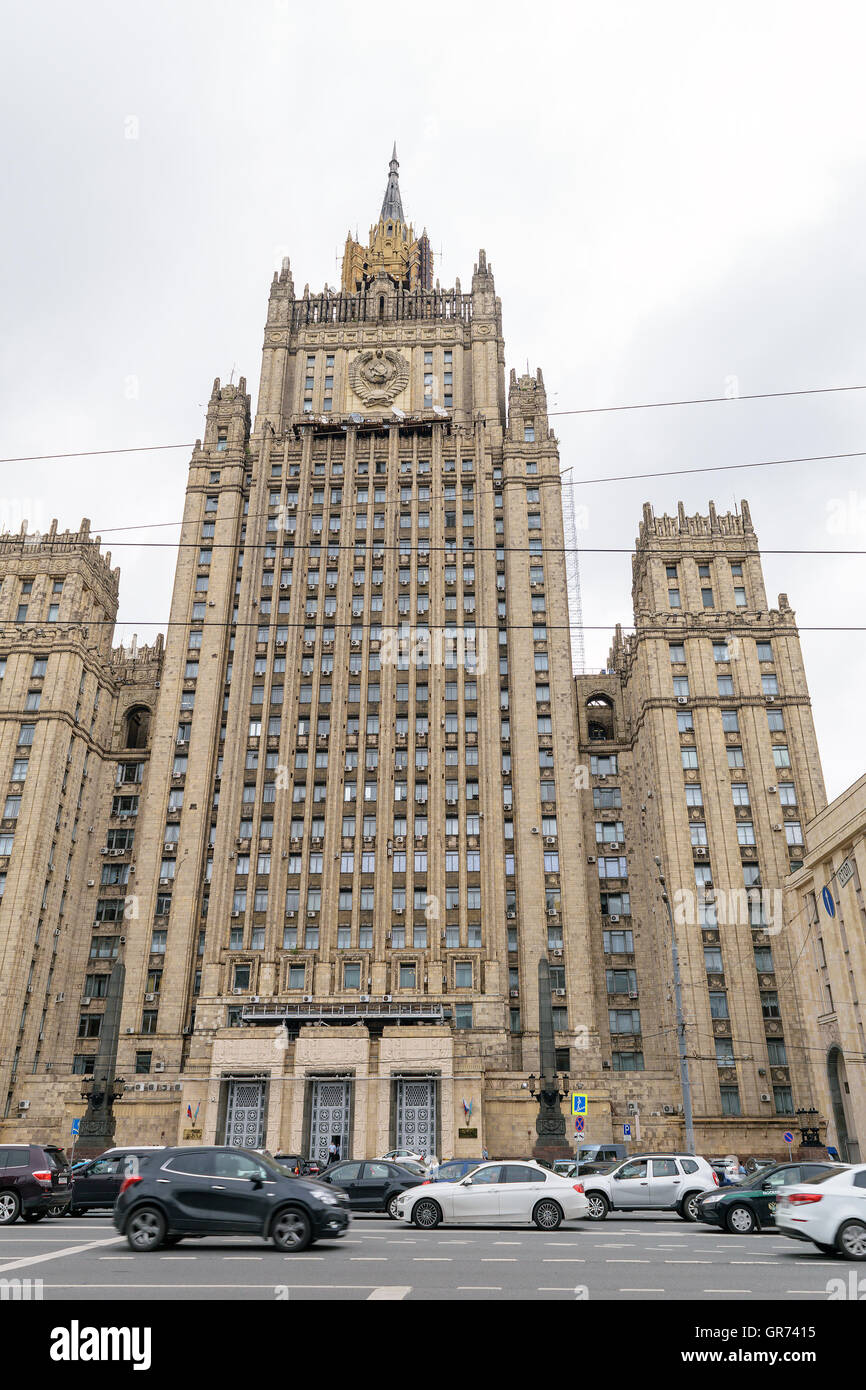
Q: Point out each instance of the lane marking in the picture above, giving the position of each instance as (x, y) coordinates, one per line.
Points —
(628, 1262)
(369, 1259)
(499, 1259)
(562, 1260)
(59, 1254)
(432, 1259)
(727, 1290)
(487, 1288)
(394, 1292)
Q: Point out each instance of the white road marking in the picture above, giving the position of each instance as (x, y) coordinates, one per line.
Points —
(393, 1292)
(488, 1288)
(627, 1262)
(499, 1259)
(362, 1259)
(59, 1254)
(562, 1260)
(641, 1290)
(233, 1257)
(727, 1290)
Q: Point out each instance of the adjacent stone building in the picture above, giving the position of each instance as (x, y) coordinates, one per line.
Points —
(333, 825)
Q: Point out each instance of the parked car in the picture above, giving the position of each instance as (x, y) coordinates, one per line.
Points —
(297, 1164)
(453, 1169)
(599, 1156)
(97, 1182)
(515, 1192)
(829, 1210)
(372, 1184)
(750, 1204)
(565, 1167)
(34, 1182)
(651, 1182)
(420, 1172)
(397, 1156)
(217, 1190)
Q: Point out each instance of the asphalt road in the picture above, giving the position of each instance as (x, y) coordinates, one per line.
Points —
(651, 1257)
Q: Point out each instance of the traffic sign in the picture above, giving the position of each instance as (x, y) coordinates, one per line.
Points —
(578, 1124)
(76, 1126)
(626, 1131)
(788, 1137)
(827, 899)
(844, 872)
(578, 1103)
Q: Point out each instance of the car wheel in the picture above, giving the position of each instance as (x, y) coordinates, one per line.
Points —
(59, 1209)
(426, 1214)
(292, 1230)
(741, 1220)
(10, 1208)
(391, 1206)
(599, 1206)
(547, 1214)
(851, 1240)
(31, 1217)
(688, 1208)
(145, 1229)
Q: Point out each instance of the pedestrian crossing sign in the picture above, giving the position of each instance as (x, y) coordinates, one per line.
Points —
(578, 1103)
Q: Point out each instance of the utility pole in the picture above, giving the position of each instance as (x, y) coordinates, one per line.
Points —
(681, 1026)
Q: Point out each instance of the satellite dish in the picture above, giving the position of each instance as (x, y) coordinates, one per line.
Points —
(401, 414)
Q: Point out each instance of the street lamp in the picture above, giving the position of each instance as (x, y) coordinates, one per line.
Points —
(807, 1123)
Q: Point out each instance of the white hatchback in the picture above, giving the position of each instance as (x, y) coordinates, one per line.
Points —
(496, 1194)
(829, 1210)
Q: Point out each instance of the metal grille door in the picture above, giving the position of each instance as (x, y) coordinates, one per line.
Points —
(329, 1116)
(245, 1114)
(416, 1116)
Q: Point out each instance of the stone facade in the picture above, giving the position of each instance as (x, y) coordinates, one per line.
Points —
(363, 788)
(831, 973)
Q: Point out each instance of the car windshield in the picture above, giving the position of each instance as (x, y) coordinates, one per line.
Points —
(823, 1177)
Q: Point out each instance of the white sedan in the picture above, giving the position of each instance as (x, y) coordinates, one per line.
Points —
(509, 1193)
(829, 1210)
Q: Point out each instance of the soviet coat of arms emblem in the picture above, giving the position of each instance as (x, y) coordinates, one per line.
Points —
(378, 377)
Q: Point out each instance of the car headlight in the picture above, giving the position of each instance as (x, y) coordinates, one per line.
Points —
(328, 1199)
(709, 1201)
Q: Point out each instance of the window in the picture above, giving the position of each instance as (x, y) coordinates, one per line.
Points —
(730, 1098)
(352, 975)
(784, 1099)
(677, 652)
(674, 598)
(463, 975)
(462, 1015)
(408, 974)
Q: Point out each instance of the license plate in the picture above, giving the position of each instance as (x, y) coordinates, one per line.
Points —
(61, 1182)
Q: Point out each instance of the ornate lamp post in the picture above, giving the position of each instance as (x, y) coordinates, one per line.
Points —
(550, 1087)
(808, 1123)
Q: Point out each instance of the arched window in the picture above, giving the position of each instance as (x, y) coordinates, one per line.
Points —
(599, 717)
(137, 725)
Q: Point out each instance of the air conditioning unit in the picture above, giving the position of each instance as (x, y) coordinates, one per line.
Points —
(668, 1110)
(23, 1105)
(771, 699)
(632, 994)
(550, 839)
(631, 1107)
(613, 917)
(308, 998)
(85, 999)
(91, 882)
(514, 993)
(236, 912)
(700, 851)
(590, 859)
(364, 998)
(682, 699)
(387, 998)
(59, 998)
(159, 1066)
(778, 827)
(552, 912)
(772, 789)
(560, 993)
(311, 912)
(765, 1096)
(557, 952)
(148, 998)
(138, 1086)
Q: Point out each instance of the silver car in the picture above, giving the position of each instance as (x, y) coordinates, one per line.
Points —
(650, 1182)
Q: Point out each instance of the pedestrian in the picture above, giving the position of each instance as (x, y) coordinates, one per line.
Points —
(484, 1155)
(333, 1151)
(432, 1166)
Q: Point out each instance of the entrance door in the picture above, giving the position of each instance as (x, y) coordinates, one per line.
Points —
(245, 1114)
(329, 1118)
(416, 1116)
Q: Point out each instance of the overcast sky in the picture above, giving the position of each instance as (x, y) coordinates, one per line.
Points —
(672, 197)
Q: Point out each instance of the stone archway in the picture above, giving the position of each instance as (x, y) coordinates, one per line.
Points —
(846, 1137)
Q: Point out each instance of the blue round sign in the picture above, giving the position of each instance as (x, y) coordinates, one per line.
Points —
(788, 1138)
(827, 899)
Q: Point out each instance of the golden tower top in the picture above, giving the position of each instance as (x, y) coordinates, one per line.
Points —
(393, 249)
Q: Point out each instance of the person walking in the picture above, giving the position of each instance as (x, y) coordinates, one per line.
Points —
(333, 1151)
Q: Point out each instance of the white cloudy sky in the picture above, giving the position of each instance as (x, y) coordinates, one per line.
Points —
(672, 195)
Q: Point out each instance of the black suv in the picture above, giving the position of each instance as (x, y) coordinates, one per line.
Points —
(34, 1182)
(97, 1183)
(215, 1191)
(372, 1184)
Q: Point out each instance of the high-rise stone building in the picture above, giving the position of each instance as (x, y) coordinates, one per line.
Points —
(334, 824)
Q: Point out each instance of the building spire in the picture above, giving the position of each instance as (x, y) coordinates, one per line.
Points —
(392, 205)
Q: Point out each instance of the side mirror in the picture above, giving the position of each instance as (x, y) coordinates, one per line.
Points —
(467, 1182)
(256, 1182)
